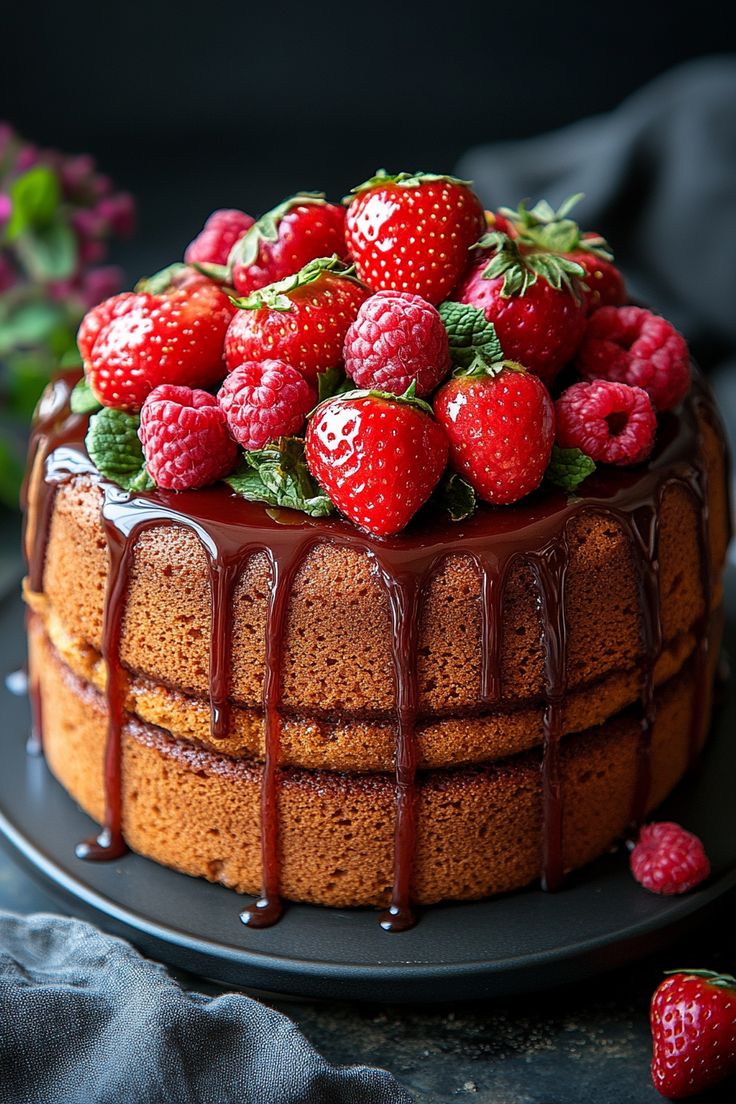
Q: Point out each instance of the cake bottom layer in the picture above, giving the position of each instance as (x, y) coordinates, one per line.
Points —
(479, 829)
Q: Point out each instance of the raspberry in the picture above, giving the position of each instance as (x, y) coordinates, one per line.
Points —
(185, 438)
(668, 860)
(263, 401)
(213, 243)
(610, 422)
(634, 346)
(397, 338)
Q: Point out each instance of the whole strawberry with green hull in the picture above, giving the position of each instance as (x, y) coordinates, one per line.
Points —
(412, 232)
(693, 1021)
(378, 456)
(302, 320)
(284, 240)
(500, 423)
(172, 330)
(543, 227)
(533, 297)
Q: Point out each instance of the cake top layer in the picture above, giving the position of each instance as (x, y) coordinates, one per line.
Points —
(395, 360)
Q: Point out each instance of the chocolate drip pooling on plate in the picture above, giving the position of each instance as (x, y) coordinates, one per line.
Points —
(533, 532)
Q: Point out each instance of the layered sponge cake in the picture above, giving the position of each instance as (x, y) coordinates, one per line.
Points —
(238, 681)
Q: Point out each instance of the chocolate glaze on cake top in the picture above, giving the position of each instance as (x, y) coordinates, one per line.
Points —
(534, 530)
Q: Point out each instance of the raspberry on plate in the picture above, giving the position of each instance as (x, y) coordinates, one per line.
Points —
(668, 860)
(265, 400)
(221, 231)
(610, 422)
(632, 345)
(398, 338)
(185, 438)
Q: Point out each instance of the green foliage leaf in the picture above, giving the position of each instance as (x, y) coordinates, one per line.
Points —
(331, 382)
(35, 198)
(28, 324)
(278, 475)
(49, 252)
(568, 467)
(455, 495)
(83, 399)
(474, 344)
(114, 448)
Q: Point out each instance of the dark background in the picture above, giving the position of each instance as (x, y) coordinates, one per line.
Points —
(197, 106)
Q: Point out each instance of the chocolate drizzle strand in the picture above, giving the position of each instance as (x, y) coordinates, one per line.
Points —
(533, 533)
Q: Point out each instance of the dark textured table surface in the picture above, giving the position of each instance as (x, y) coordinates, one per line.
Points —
(577, 1045)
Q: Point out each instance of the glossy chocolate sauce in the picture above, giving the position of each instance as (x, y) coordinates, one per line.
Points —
(534, 532)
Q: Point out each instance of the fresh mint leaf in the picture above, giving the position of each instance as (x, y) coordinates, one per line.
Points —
(35, 198)
(473, 340)
(455, 495)
(115, 450)
(278, 475)
(83, 399)
(568, 468)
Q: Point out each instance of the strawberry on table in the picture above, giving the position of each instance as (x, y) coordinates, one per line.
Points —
(172, 330)
(500, 422)
(378, 457)
(693, 1021)
(284, 240)
(302, 319)
(412, 232)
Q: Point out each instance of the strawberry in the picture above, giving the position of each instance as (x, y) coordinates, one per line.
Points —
(544, 228)
(411, 232)
(501, 426)
(693, 1021)
(534, 299)
(172, 330)
(378, 456)
(286, 239)
(302, 319)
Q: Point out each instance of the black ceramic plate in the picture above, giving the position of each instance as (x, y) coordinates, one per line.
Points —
(524, 941)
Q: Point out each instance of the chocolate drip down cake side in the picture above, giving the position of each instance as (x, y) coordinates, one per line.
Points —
(376, 557)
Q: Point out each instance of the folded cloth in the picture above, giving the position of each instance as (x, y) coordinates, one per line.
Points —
(85, 1019)
(659, 177)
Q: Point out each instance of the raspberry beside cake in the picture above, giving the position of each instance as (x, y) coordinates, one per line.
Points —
(406, 709)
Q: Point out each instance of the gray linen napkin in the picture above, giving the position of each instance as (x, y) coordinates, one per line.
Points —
(85, 1019)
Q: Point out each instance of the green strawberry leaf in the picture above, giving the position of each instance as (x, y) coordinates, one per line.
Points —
(474, 344)
(35, 197)
(83, 399)
(266, 228)
(544, 228)
(455, 495)
(520, 266)
(219, 274)
(278, 475)
(404, 180)
(276, 296)
(161, 281)
(114, 448)
(568, 467)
